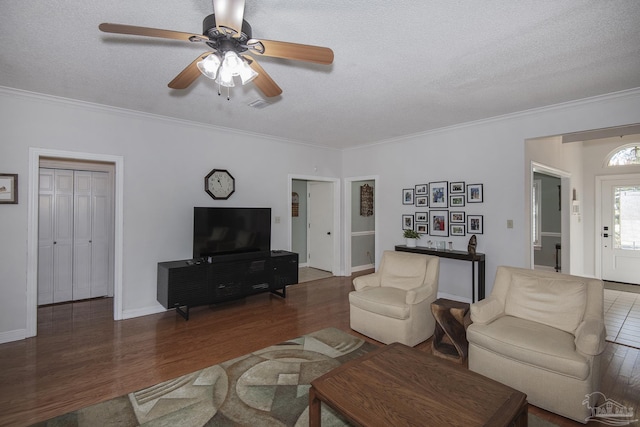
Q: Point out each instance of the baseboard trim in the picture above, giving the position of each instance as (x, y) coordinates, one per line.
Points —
(362, 268)
(10, 336)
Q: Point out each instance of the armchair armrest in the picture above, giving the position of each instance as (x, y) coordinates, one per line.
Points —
(486, 310)
(368, 280)
(590, 336)
(419, 294)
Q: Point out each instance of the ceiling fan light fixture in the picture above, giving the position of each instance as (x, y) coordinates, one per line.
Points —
(225, 78)
(209, 66)
(232, 62)
(247, 73)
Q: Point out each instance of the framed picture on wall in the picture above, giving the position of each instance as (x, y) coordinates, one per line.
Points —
(9, 188)
(422, 190)
(456, 187)
(456, 200)
(422, 201)
(439, 223)
(407, 222)
(475, 193)
(422, 216)
(475, 224)
(438, 194)
(456, 217)
(457, 229)
(407, 196)
(422, 227)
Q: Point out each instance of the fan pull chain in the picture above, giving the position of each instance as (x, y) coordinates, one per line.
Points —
(228, 94)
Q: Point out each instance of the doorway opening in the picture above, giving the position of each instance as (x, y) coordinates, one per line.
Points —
(361, 224)
(35, 157)
(314, 232)
(550, 218)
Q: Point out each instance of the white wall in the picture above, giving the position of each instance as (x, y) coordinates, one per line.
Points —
(490, 152)
(165, 162)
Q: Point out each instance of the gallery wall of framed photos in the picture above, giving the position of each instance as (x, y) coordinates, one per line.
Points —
(444, 208)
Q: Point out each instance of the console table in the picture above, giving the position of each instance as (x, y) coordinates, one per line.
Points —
(459, 255)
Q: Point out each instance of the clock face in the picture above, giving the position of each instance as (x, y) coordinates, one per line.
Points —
(219, 184)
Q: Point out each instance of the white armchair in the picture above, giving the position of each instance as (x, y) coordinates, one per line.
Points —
(541, 333)
(394, 304)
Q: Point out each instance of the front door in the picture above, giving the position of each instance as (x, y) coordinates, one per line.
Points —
(620, 233)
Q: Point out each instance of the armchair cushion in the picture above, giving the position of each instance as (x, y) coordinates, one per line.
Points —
(553, 302)
(532, 343)
(385, 301)
(401, 271)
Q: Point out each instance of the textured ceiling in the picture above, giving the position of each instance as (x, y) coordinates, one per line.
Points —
(401, 67)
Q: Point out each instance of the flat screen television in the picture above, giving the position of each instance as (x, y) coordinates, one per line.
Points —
(224, 233)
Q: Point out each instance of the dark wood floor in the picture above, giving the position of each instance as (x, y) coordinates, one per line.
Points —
(81, 356)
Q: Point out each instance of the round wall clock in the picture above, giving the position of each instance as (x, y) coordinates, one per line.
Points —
(219, 184)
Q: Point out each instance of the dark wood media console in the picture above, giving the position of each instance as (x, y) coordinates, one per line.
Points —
(189, 283)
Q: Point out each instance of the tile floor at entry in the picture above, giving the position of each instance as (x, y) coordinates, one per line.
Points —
(622, 317)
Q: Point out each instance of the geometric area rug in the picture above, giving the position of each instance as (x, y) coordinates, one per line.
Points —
(269, 387)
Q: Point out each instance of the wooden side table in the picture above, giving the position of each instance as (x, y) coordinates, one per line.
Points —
(450, 337)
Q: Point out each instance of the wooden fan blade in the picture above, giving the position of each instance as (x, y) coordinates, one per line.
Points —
(299, 52)
(151, 32)
(189, 74)
(229, 13)
(264, 82)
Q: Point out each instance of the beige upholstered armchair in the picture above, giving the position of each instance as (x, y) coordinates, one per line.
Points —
(541, 333)
(394, 304)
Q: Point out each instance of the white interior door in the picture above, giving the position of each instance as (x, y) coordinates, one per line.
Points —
(101, 231)
(82, 235)
(320, 225)
(620, 233)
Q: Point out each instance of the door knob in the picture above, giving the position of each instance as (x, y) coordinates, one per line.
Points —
(328, 233)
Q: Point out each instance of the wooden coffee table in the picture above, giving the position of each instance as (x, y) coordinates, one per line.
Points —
(399, 385)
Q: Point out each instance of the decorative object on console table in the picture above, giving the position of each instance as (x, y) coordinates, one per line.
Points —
(9, 188)
(471, 247)
(450, 338)
(412, 237)
(459, 255)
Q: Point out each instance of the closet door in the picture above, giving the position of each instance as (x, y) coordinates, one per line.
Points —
(82, 235)
(55, 259)
(46, 205)
(91, 234)
(101, 214)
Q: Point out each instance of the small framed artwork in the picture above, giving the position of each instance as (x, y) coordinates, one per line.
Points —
(456, 217)
(407, 222)
(422, 201)
(475, 224)
(439, 223)
(457, 229)
(456, 200)
(422, 190)
(438, 194)
(407, 196)
(422, 216)
(422, 227)
(9, 188)
(456, 187)
(475, 193)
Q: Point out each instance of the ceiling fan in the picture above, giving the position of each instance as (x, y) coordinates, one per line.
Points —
(230, 38)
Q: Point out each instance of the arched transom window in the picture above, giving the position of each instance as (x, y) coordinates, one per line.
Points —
(627, 155)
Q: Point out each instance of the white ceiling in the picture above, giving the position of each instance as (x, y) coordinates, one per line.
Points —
(401, 67)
